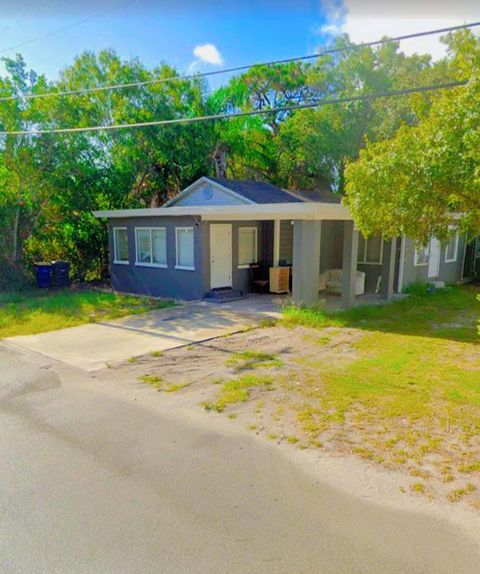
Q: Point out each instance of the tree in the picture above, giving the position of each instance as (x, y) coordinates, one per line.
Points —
(412, 183)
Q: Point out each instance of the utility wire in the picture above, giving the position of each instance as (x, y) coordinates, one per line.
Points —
(83, 91)
(63, 29)
(214, 117)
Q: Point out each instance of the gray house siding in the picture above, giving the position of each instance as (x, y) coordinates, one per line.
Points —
(449, 272)
(286, 242)
(208, 194)
(158, 282)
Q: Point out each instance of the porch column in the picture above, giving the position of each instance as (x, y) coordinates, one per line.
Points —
(306, 261)
(388, 268)
(350, 252)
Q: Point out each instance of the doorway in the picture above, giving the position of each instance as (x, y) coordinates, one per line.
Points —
(220, 255)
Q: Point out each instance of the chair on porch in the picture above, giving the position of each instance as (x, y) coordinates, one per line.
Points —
(259, 282)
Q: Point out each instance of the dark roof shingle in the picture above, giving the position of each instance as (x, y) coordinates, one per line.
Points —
(258, 191)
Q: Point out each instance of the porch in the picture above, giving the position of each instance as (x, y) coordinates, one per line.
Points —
(328, 261)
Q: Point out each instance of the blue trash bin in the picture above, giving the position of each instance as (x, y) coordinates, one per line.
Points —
(61, 273)
(43, 273)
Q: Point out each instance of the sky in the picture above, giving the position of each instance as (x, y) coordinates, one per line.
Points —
(208, 35)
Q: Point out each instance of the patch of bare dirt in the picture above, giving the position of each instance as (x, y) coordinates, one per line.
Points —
(294, 409)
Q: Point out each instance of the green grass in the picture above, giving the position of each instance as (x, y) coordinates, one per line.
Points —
(433, 315)
(237, 391)
(409, 386)
(252, 360)
(27, 313)
(152, 380)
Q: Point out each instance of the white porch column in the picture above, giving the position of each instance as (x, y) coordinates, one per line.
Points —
(388, 268)
(350, 252)
(276, 242)
(306, 261)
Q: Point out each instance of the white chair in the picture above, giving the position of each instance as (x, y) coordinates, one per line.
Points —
(331, 281)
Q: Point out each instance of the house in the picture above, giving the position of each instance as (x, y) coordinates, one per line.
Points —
(207, 237)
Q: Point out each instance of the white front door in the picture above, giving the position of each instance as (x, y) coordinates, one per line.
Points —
(434, 258)
(220, 255)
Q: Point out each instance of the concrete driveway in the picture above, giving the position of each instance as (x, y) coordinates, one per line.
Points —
(94, 346)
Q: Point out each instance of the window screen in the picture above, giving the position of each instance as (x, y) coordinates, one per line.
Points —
(247, 245)
(120, 239)
(185, 257)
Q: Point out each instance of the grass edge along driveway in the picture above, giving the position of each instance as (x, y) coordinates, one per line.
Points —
(32, 312)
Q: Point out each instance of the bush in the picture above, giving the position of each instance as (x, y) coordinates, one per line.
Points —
(12, 276)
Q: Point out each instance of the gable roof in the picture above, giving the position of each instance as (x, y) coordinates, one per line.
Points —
(257, 191)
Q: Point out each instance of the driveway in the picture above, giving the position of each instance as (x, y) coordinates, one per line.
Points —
(95, 479)
(96, 345)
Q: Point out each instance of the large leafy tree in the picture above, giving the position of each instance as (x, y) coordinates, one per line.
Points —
(428, 173)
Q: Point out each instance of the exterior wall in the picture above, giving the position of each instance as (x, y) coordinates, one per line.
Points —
(331, 245)
(240, 277)
(207, 194)
(449, 272)
(159, 282)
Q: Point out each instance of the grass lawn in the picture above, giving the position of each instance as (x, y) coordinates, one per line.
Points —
(27, 313)
(409, 392)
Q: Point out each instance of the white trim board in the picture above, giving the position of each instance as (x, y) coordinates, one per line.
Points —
(259, 212)
(188, 190)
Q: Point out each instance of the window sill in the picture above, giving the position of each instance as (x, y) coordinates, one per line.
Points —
(247, 266)
(369, 263)
(451, 260)
(183, 268)
(420, 264)
(155, 265)
(121, 262)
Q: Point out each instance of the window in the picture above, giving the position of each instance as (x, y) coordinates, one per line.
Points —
(420, 256)
(184, 248)
(151, 244)
(247, 246)
(120, 245)
(451, 249)
(370, 250)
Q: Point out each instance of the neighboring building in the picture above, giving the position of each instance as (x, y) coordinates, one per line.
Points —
(207, 237)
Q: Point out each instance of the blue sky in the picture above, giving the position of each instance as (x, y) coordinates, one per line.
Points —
(157, 31)
(221, 33)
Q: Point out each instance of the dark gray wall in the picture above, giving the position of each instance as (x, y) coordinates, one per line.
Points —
(331, 245)
(170, 282)
(177, 283)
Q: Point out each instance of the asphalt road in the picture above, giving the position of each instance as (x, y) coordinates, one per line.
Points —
(91, 482)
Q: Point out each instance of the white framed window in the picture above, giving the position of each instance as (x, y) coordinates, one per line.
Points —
(247, 246)
(151, 246)
(370, 250)
(120, 245)
(184, 248)
(421, 254)
(451, 248)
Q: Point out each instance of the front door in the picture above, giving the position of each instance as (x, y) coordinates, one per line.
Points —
(434, 258)
(220, 255)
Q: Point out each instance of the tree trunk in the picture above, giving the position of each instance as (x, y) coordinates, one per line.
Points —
(16, 225)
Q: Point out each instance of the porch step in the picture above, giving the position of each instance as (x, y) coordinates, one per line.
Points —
(224, 295)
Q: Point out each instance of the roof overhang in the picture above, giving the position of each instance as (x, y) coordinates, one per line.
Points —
(259, 212)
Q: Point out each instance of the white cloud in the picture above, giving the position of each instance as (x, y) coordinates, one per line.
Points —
(208, 53)
(368, 20)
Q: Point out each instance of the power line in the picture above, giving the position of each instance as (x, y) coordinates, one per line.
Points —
(214, 117)
(84, 91)
(63, 29)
